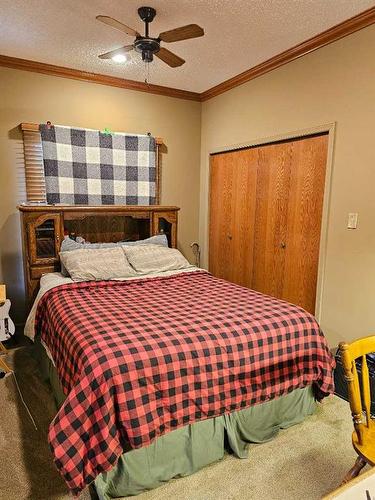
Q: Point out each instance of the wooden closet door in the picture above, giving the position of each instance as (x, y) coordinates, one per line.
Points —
(221, 189)
(272, 198)
(232, 214)
(290, 190)
(306, 192)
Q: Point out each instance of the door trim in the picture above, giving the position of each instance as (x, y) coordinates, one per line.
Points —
(329, 128)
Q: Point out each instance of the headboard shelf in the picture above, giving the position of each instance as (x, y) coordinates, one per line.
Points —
(96, 208)
(45, 226)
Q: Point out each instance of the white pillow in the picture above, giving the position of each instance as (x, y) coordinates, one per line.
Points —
(68, 245)
(97, 264)
(154, 258)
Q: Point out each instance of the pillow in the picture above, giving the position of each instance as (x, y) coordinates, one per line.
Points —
(68, 245)
(155, 258)
(96, 264)
(158, 239)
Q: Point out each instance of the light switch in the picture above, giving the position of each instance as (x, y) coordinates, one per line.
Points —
(352, 221)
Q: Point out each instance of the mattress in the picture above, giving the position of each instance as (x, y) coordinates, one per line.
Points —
(141, 359)
(187, 450)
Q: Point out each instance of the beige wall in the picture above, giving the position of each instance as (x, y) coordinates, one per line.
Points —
(333, 84)
(31, 97)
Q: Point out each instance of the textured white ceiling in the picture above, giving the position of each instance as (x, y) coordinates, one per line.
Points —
(238, 34)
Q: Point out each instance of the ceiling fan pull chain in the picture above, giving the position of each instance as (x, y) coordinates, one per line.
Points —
(147, 73)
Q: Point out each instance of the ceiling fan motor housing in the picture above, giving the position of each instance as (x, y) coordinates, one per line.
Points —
(147, 47)
(147, 14)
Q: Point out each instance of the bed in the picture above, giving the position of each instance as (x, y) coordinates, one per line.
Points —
(155, 375)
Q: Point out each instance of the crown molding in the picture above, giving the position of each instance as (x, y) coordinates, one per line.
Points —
(356, 23)
(333, 34)
(112, 81)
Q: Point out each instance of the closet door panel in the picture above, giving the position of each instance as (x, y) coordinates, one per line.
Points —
(232, 213)
(274, 170)
(221, 179)
(309, 157)
(243, 216)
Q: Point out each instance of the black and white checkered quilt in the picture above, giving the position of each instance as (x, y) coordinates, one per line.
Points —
(89, 167)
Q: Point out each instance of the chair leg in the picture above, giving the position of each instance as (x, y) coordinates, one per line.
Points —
(3, 349)
(355, 470)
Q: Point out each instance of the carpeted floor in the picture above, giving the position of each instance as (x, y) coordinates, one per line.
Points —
(303, 462)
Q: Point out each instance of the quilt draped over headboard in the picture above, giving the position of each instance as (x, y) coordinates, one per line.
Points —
(89, 167)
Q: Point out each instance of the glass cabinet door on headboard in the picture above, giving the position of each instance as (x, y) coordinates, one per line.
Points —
(166, 223)
(44, 238)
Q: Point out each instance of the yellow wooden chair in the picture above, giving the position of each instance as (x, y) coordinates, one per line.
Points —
(363, 437)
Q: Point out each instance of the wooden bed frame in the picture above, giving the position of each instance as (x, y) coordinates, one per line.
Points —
(45, 226)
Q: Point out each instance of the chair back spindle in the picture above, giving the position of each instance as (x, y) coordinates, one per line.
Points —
(359, 394)
(366, 391)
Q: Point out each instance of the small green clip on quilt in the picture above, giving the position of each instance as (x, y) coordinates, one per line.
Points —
(184, 451)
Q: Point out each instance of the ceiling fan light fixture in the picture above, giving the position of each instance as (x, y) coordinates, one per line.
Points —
(147, 56)
(120, 58)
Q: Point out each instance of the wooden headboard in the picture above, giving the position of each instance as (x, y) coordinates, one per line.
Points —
(34, 168)
(45, 226)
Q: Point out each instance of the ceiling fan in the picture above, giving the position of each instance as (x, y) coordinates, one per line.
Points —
(147, 45)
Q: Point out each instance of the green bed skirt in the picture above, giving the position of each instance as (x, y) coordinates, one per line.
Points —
(184, 451)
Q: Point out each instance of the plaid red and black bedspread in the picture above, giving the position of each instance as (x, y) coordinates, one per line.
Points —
(140, 358)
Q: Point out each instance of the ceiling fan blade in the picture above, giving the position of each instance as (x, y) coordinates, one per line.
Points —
(117, 25)
(169, 58)
(183, 33)
(120, 51)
